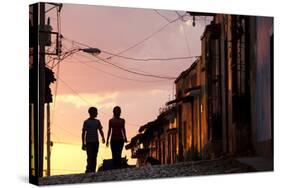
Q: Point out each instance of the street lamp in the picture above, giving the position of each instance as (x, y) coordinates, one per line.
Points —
(93, 51)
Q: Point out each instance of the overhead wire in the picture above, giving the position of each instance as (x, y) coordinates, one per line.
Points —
(68, 132)
(57, 137)
(50, 9)
(66, 54)
(55, 93)
(198, 18)
(148, 37)
(164, 17)
(134, 72)
(58, 68)
(144, 59)
(94, 60)
(179, 15)
(127, 49)
(116, 76)
(185, 38)
(56, 88)
(52, 60)
(86, 101)
(150, 59)
(130, 58)
(138, 43)
(138, 59)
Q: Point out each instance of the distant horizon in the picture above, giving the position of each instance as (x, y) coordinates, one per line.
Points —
(77, 162)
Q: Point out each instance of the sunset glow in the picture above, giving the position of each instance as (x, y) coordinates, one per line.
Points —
(83, 82)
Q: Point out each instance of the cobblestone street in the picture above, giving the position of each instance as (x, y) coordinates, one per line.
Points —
(221, 166)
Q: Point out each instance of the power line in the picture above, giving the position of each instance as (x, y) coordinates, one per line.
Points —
(150, 59)
(134, 72)
(66, 54)
(87, 102)
(75, 92)
(70, 133)
(94, 60)
(138, 59)
(55, 94)
(78, 95)
(161, 15)
(117, 76)
(100, 62)
(149, 36)
(179, 14)
(197, 18)
(55, 135)
(140, 42)
(186, 39)
(50, 9)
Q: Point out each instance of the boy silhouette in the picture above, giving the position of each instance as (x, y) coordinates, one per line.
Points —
(90, 139)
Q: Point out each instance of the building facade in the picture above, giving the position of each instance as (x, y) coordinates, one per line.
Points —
(224, 100)
(237, 52)
(191, 103)
(157, 140)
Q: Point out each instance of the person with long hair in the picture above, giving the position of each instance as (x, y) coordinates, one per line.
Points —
(117, 135)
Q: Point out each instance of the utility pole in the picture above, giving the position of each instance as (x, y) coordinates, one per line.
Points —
(41, 89)
(40, 93)
(48, 172)
(33, 91)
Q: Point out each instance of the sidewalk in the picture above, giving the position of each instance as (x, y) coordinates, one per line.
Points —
(259, 163)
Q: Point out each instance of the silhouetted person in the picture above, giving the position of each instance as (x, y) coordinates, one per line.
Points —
(117, 132)
(90, 139)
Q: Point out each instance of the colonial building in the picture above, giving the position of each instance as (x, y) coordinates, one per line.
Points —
(237, 53)
(168, 136)
(189, 117)
(157, 140)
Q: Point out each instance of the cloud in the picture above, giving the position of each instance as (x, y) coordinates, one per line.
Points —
(106, 100)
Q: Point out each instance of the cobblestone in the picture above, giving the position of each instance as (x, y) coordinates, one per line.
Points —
(221, 166)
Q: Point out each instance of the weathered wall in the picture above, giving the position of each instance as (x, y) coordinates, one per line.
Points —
(263, 92)
(203, 100)
(263, 136)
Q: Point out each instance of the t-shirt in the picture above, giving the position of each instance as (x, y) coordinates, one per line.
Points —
(91, 127)
(117, 125)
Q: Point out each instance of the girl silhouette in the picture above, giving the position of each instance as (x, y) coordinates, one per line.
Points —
(117, 132)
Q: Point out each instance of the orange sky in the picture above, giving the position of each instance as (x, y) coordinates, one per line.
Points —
(85, 83)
